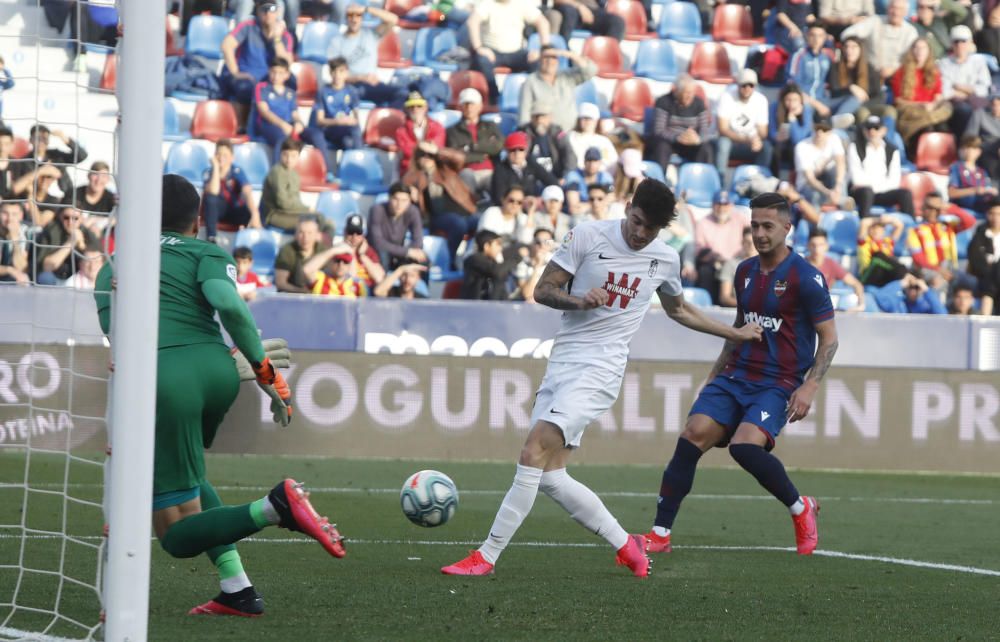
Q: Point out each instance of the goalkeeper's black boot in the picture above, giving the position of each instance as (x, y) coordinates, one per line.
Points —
(245, 603)
(292, 505)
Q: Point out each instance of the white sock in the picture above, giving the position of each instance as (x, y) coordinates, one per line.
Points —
(269, 512)
(515, 507)
(583, 505)
(662, 532)
(235, 584)
(798, 507)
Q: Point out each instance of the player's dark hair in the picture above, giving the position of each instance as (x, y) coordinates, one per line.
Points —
(483, 237)
(223, 143)
(772, 201)
(656, 201)
(180, 204)
(818, 233)
(336, 63)
(290, 144)
(243, 252)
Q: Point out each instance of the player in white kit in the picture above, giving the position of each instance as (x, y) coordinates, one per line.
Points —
(603, 276)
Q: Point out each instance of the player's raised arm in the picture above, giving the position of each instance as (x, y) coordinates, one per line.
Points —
(826, 347)
(691, 316)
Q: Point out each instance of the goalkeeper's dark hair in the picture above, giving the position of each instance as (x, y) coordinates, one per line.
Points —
(656, 201)
(772, 201)
(180, 204)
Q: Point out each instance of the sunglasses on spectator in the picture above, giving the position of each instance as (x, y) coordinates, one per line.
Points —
(931, 208)
(355, 14)
(519, 149)
(515, 201)
(747, 84)
(344, 261)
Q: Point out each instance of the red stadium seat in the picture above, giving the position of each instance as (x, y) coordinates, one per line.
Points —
(215, 119)
(21, 148)
(109, 77)
(710, 62)
(732, 23)
(920, 184)
(312, 171)
(936, 152)
(631, 98)
(460, 80)
(381, 126)
(606, 53)
(634, 15)
(403, 7)
(390, 52)
(305, 78)
(452, 289)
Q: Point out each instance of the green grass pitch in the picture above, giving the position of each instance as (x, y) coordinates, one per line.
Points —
(921, 560)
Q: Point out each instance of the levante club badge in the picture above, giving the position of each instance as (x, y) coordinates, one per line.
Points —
(780, 287)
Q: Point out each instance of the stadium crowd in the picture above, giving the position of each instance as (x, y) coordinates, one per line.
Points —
(518, 119)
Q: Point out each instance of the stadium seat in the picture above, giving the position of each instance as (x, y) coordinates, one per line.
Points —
(652, 169)
(842, 231)
(390, 52)
(555, 40)
(463, 79)
(316, 38)
(710, 62)
(439, 257)
(255, 161)
(962, 240)
(510, 95)
(742, 173)
(205, 35)
(171, 123)
(361, 171)
(920, 185)
(431, 43)
(21, 148)
(506, 122)
(312, 171)
(188, 160)
(698, 183)
(681, 22)
(936, 152)
(337, 206)
(587, 93)
(655, 60)
(306, 84)
(109, 75)
(634, 15)
(447, 117)
(215, 119)
(800, 236)
(606, 53)
(401, 8)
(732, 23)
(264, 244)
(631, 98)
(381, 126)
(452, 289)
(698, 297)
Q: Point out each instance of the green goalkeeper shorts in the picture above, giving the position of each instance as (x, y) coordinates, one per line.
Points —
(195, 387)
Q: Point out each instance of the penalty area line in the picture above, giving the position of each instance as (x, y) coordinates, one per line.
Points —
(8, 633)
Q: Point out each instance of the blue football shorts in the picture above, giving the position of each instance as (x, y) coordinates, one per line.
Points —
(730, 402)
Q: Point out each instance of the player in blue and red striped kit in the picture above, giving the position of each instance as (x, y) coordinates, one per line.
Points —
(755, 387)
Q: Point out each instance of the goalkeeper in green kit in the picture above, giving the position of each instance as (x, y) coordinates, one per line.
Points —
(197, 380)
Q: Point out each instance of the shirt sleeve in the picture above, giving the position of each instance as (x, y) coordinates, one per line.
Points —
(217, 265)
(816, 297)
(671, 285)
(569, 256)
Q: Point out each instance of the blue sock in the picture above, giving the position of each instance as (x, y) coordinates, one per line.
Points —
(768, 470)
(677, 480)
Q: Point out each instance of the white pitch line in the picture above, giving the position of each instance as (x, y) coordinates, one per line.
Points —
(17, 634)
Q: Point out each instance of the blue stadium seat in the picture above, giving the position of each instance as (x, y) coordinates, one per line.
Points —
(436, 249)
(962, 242)
(655, 60)
(843, 297)
(337, 206)
(264, 244)
(505, 121)
(745, 172)
(189, 160)
(652, 169)
(510, 95)
(431, 42)
(587, 93)
(681, 22)
(842, 230)
(557, 41)
(800, 236)
(361, 171)
(447, 117)
(316, 38)
(205, 36)
(698, 183)
(698, 296)
(171, 123)
(255, 161)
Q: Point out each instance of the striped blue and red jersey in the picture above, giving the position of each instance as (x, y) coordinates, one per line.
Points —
(787, 303)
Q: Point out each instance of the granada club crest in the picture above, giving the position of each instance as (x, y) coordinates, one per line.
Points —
(780, 287)
(653, 266)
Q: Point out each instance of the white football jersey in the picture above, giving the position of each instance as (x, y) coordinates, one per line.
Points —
(597, 256)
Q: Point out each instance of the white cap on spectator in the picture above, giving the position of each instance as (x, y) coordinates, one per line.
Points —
(589, 110)
(747, 77)
(962, 33)
(553, 193)
(631, 161)
(470, 96)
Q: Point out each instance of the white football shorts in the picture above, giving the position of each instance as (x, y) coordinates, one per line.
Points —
(573, 395)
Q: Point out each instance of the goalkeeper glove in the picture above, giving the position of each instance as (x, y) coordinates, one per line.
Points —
(274, 349)
(274, 385)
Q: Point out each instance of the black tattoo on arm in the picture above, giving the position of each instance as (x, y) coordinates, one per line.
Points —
(550, 292)
(824, 357)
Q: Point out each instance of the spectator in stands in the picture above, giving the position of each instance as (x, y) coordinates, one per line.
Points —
(874, 172)
(7, 82)
(486, 271)
(42, 152)
(242, 9)
(886, 38)
(519, 169)
(530, 269)
(984, 258)
(366, 265)
(274, 114)
(590, 15)
(963, 301)
(969, 185)
(917, 88)
(333, 123)
(855, 85)
(418, 128)
(988, 38)
(600, 200)
(402, 283)
(577, 181)
(281, 204)
(14, 242)
(743, 120)
(801, 209)
(832, 271)
(682, 125)
(809, 68)
(480, 141)
(965, 78)
(935, 19)
(932, 244)
(228, 196)
(59, 246)
(630, 173)
(726, 274)
(837, 15)
(41, 204)
(247, 280)
(585, 135)
(551, 215)
(548, 143)
(89, 264)
(329, 274)
(95, 197)
(554, 88)
(718, 238)
(289, 275)
(388, 225)
(247, 54)
(794, 17)
(820, 166)
(442, 196)
(985, 123)
(877, 264)
(909, 295)
(358, 45)
(496, 37)
(790, 123)
(509, 220)
(8, 166)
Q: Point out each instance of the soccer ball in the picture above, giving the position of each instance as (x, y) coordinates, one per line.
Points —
(429, 498)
